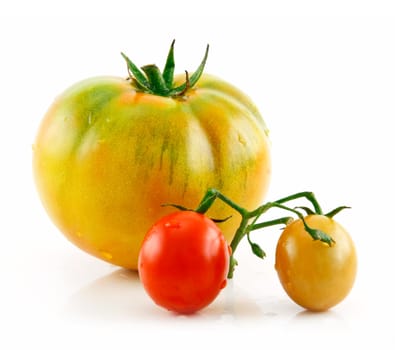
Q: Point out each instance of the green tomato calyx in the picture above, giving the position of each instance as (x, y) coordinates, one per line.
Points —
(150, 79)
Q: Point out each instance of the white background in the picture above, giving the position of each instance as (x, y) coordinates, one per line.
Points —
(323, 76)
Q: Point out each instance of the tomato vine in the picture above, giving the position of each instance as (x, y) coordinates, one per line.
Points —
(249, 219)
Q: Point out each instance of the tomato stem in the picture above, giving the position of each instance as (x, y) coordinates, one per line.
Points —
(156, 80)
(151, 80)
(240, 233)
(308, 195)
(209, 198)
(285, 220)
(249, 219)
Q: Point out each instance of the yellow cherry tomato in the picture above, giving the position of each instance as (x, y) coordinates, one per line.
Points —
(315, 275)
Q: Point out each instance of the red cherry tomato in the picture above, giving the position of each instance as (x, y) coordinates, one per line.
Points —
(184, 261)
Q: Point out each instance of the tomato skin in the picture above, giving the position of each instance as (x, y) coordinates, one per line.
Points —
(106, 157)
(313, 274)
(184, 261)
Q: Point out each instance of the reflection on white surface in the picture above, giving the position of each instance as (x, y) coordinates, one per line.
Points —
(322, 322)
(242, 310)
(119, 296)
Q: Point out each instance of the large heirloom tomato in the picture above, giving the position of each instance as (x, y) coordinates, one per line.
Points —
(111, 151)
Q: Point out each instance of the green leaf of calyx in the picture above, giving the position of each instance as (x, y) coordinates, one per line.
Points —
(179, 207)
(318, 235)
(218, 221)
(168, 71)
(136, 75)
(335, 211)
(193, 79)
(307, 210)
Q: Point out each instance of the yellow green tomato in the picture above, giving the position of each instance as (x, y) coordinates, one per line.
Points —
(110, 152)
(315, 275)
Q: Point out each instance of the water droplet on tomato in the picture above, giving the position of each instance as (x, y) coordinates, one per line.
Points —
(172, 224)
(241, 139)
(105, 254)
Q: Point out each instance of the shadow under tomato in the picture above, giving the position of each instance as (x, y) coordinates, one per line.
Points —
(118, 296)
(319, 322)
(233, 303)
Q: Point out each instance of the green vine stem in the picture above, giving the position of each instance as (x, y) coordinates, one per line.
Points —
(249, 219)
